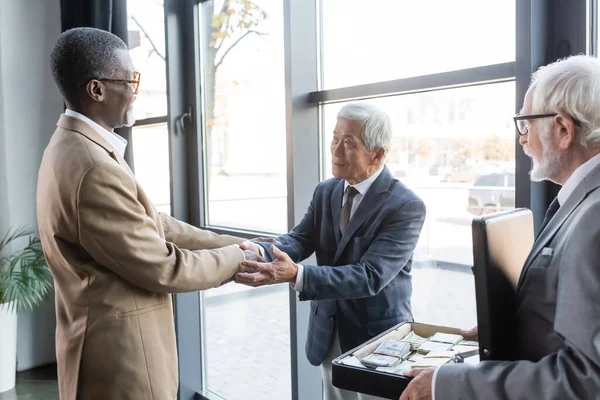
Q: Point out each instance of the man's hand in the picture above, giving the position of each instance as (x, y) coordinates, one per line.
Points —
(420, 387)
(283, 269)
(252, 256)
(471, 334)
(249, 245)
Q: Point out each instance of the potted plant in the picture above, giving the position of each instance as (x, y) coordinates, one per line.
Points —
(25, 280)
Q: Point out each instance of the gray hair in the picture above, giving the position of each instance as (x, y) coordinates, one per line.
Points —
(82, 54)
(376, 130)
(572, 86)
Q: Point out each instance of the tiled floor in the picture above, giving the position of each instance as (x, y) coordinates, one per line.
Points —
(37, 384)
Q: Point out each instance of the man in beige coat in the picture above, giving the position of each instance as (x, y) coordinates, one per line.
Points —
(114, 258)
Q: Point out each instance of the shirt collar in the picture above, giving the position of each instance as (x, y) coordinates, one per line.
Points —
(576, 178)
(364, 186)
(115, 140)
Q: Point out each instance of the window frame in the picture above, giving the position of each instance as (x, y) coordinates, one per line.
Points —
(154, 120)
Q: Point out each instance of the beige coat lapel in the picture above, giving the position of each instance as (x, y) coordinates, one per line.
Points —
(79, 126)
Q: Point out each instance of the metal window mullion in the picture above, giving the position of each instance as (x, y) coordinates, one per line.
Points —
(302, 149)
(444, 80)
(181, 94)
(200, 21)
(593, 27)
(545, 31)
(319, 43)
(200, 208)
(163, 119)
(242, 233)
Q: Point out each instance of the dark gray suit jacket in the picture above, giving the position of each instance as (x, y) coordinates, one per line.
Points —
(557, 319)
(362, 279)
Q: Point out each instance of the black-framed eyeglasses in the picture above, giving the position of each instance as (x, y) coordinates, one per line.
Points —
(134, 81)
(521, 121)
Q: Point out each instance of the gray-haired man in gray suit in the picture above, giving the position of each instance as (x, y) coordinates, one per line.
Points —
(363, 226)
(558, 297)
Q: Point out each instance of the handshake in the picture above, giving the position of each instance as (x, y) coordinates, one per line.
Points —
(254, 252)
(255, 272)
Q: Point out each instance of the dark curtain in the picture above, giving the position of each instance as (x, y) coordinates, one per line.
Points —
(109, 15)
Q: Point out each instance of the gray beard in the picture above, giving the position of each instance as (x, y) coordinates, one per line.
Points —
(130, 117)
(548, 167)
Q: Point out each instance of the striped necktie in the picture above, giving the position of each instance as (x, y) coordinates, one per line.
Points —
(552, 209)
(345, 215)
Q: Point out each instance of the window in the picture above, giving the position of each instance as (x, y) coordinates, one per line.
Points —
(490, 180)
(449, 71)
(150, 134)
(451, 129)
(146, 36)
(244, 109)
(511, 180)
(246, 332)
(381, 40)
(247, 341)
(445, 145)
(151, 157)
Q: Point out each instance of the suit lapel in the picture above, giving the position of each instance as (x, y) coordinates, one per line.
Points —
(590, 183)
(77, 125)
(336, 208)
(123, 163)
(376, 194)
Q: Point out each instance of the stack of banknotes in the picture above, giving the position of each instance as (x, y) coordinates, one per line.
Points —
(388, 353)
(414, 351)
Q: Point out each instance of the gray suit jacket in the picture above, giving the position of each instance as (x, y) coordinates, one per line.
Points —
(557, 319)
(362, 278)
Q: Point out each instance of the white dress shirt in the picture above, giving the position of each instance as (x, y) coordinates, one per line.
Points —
(116, 141)
(362, 188)
(563, 195)
(576, 178)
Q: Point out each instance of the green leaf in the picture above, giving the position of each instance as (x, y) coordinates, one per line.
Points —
(25, 278)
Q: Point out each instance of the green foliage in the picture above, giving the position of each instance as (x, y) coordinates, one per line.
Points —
(25, 278)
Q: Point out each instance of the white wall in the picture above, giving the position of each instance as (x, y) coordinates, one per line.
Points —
(29, 108)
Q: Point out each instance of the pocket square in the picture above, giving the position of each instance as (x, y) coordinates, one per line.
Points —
(547, 251)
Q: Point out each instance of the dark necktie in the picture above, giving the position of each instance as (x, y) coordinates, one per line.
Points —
(345, 215)
(552, 209)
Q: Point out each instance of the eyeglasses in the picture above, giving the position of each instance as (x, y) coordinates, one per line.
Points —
(521, 121)
(134, 81)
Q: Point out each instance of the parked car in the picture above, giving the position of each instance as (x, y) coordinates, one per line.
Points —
(492, 192)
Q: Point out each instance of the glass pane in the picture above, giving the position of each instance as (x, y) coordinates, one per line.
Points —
(246, 331)
(247, 341)
(146, 34)
(379, 40)
(151, 162)
(245, 115)
(456, 149)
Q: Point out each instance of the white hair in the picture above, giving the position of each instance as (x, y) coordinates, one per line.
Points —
(571, 86)
(376, 130)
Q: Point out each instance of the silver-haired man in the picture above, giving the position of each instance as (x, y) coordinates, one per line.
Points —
(557, 321)
(363, 226)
